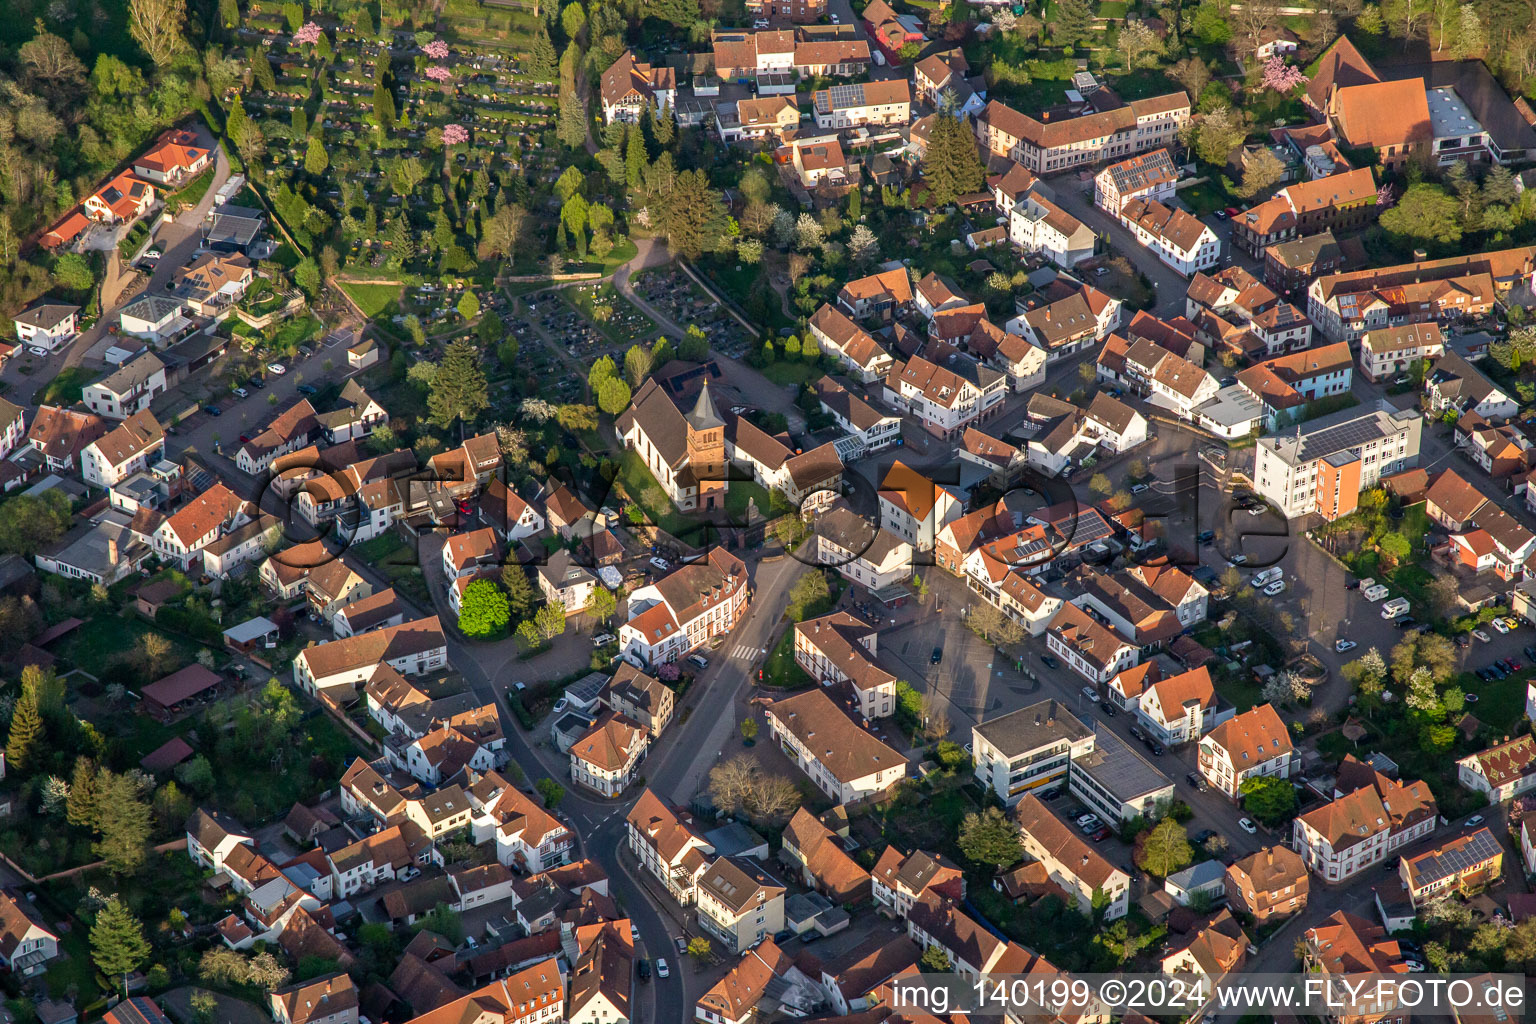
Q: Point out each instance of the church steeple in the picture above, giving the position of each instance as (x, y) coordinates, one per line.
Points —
(704, 415)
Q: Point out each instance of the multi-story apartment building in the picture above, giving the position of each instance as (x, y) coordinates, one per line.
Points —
(1029, 750)
(839, 648)
(1389, 351)
(1178, 238)
(1345, 201)
(1092, 649)
(1347, 304)
(946, 399)
(1096, 885)
(1109, 132)
(1151, 176)
(1252, 744)
(1370, 817)
(739, 903)
(1181, 708)
(887, 103)
(847, 763)
(412, 649)
(684, 610)
(669, 845)
(128, 448)
(605, 759)
(1325, 463)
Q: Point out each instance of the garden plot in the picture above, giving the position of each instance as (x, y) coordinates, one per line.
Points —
(613, 314)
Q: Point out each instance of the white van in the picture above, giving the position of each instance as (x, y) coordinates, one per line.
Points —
(1376, 593)
(1268, 576)
(1394, 608)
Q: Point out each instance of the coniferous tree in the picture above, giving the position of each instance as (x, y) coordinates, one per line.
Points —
(458, 389)
(951, 166)
(118, 945)
(383, 107)
(24, 745)
(520, 596)
(261, 69)
(543, 61)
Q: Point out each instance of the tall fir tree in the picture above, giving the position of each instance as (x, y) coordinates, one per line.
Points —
(261, 69)
(24, 745)
(543, 61)
(571, 122)
(118, 945)
(458, 389)
(635, 157)
(951, 165)
(664, 127)
(383, 108)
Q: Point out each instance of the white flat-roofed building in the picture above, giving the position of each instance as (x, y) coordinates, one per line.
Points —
(1117, 783)
(1027, 750)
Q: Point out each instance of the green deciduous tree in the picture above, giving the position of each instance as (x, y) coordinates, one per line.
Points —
(1270, 801)
(1164, 850)
(551, 791)
(484, 610)
(935, 960)
(1425, 214)
(613, 396)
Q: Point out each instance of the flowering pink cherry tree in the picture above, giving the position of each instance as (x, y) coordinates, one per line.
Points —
(454, 134)
(438, 73)
(309, 35)
(436, 49)
(1386, 198)
(1280, 76)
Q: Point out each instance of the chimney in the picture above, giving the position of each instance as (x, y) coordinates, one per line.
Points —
(112, 550)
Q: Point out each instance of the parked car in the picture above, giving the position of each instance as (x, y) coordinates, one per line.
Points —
(1203, 835)
(1198, 781)
(256, 382)
(1049, 661)
(1101, 833)
(277, 368)
(603, 638)
(1206, 537)
(698, 661)
(1138, 488)
(1275, 589)
(662, 970)
(1108, 707)
(1247, 826)
(1156, 749)
(681, 944)
(1238, 559)
(1220, 214)
(213, 410)
(937, 656)
(1091, 693)
(1499, 627)
(1340, 646)
(660, 564)
(1476, 819)
(644, 967)
(241, 393)
(1484, 637)
(1137, 734)
(307, 389)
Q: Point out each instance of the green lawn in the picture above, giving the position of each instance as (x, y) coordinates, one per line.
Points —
(644, 491)
(621, 254)
(103, 640)
(1205, 198)
(372, 299)
(65, 388)
(780, 670)
(296, 332)
(794, 371)
(192, 193)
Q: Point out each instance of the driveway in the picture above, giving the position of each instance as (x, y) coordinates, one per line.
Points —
(1169, 284)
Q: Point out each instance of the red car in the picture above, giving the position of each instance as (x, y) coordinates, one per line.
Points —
(1101, 835)
(1233, 211)
(245, 438)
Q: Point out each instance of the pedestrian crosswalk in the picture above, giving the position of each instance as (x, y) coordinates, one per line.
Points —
(743, 652)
